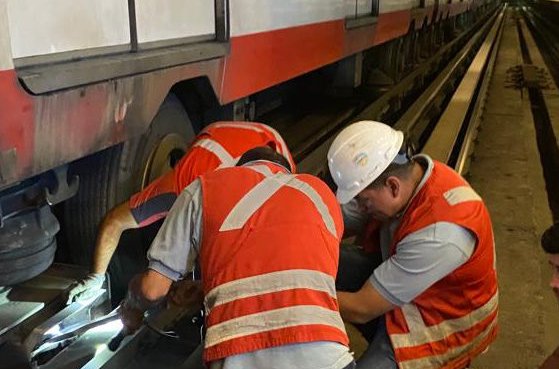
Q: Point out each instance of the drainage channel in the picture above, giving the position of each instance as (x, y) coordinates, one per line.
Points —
(545, 136)
(545, 30)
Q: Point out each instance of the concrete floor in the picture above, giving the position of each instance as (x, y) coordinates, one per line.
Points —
(506, 172)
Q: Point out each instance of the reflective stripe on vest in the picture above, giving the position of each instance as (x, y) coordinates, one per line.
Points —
(257, 127)
(421, 334)
(437, 361)
(258, 195)
(242, 125)
(215, 148)
(271, 320)
(446, 334)
(461, 194)
(284, 150)
(282, 298)
(269, 283)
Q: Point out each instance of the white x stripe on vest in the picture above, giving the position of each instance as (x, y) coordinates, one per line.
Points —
(215, 148)
(263, 191)
(257, 128)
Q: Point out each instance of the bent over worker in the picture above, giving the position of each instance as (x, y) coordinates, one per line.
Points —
(550, 244)
(219, 145)
(436, 288)
(268, 250)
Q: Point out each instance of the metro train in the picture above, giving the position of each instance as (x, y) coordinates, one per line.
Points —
(94, 92)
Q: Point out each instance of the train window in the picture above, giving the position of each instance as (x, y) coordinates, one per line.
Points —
(361, 12)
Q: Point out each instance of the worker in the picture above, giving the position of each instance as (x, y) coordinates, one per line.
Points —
(220, 144)
(268, 250)
(436, 288)
(550, 244)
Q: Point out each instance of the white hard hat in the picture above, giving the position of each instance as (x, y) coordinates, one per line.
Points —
(359, 154)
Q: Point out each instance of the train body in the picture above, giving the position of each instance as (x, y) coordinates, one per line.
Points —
(118, 82)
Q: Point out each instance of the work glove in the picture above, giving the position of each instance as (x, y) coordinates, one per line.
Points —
(86, 288)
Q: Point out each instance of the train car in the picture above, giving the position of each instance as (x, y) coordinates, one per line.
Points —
(95, 93)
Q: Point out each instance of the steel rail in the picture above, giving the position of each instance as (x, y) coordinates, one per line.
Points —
(445, 138)
(314, 160)
(415, 120)
(467, 148)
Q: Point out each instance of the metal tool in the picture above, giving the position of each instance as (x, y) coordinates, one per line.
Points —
(71, 333)
(115, 342)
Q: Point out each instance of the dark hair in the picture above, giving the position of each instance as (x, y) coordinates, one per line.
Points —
(400, 167)
(264, 153)
(550, 239)
(401, 171)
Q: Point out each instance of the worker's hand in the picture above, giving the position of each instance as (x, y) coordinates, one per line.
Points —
(132, 318)
(186, 294)
(86, 288)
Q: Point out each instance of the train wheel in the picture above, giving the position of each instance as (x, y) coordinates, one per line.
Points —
(27, 245)
(111, 177)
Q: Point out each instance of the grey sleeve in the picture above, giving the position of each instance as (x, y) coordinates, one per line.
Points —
(421, 259)
(175, 248)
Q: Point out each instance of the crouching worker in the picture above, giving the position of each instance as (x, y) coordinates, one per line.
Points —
(550, 244)
(436, 289)
(268, 243)
(219, 145)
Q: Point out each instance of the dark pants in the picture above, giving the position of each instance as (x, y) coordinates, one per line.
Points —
(195, 360)
(355, 268)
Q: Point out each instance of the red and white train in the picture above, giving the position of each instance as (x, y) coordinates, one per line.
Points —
(136, 78)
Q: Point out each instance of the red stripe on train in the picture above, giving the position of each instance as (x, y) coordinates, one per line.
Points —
(16, 124)
(264, 59)
(387, 27)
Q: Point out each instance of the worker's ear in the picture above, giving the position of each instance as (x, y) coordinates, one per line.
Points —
(394, 186)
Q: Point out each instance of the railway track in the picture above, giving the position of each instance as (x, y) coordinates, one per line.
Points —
(414, 105)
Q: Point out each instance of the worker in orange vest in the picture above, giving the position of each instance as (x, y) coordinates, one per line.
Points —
(219, 145)
(268, 250)
(550, 244)
(436, 288)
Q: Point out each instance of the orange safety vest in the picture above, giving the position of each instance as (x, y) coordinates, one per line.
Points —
(456, 318)
(269, 257)
(237, 137)
(219, 145)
